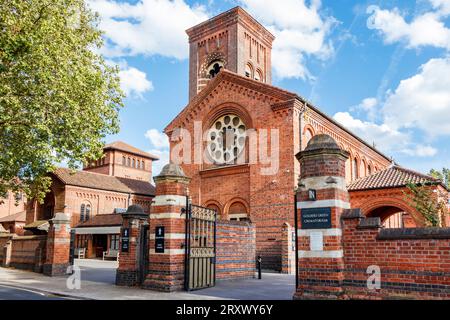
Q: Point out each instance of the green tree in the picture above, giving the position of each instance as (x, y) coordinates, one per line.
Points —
(428, 202)
(443, 175)
(58, 97)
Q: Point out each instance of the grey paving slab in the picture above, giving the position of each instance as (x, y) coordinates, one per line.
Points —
(98, 282)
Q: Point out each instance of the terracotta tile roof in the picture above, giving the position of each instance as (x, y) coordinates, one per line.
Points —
(392, 177)
(102, 220)
(122, 146)
(18, 217)
(104, 182)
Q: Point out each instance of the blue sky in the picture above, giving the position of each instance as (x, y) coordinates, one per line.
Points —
(381, 68)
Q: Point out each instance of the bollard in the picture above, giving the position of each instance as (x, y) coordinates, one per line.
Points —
(259, 260)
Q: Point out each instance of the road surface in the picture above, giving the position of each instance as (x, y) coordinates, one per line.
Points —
(12, 293)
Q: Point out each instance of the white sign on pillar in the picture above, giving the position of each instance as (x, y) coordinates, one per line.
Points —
(316, 241)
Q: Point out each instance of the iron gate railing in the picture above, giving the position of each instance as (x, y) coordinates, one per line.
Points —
(200, 264)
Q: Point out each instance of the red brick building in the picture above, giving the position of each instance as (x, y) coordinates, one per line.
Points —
(231, 99)
(95, 197)
(12, 212)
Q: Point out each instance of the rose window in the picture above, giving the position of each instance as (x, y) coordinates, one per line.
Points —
(226, 139)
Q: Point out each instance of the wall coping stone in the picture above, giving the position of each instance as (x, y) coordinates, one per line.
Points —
(352, 214)
(369, 223)
(414, 233)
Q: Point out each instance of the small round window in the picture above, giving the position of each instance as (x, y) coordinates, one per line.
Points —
(226, 139)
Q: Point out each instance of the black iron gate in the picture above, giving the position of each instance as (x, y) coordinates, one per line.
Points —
(143, 254)
(200, 264)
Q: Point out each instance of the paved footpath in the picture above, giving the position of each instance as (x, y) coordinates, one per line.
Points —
(98, 277)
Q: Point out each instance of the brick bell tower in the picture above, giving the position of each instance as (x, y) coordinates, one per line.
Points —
(232, 40)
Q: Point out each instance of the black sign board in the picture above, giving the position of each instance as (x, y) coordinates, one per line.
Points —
(125, 239)
(159, 239)
(316, 218)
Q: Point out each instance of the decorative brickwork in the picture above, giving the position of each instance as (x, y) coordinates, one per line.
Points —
(320, 250)
(58, 246)
(268, 197)
(414, 263)
(236, 250)
(166, 269)
(234, 41)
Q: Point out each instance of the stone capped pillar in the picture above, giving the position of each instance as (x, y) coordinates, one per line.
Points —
(166, 263)
(321, 199)
(58, 245)
(133, 243)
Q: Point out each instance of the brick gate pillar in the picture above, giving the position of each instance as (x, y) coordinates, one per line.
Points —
(58, 245)
(321, 199)
(167, 231)
(131, 255)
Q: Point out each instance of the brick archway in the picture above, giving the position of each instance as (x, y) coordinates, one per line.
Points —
(384, 203)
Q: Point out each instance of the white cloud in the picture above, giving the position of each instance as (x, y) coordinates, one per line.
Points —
(422, 101)
(134, 82)
(148, 27)
(367, 105)
(421, 151)
(300, 31)
(160, 143)
(163, 160)
(158, 139)
(443, 6)
(427, 29)
(384, 137)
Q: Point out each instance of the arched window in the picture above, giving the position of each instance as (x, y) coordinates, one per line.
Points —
(142, 165)
(355, 169)
(88, 213)
(82, 212)
(134, 163)
(308, 136)
(124, 161)
(138, 164)
(238, 212)
(85, 212)
(369, 170)
(249, 71)
(216, 208)
(363, 171)
(128, 162)
(258, 75)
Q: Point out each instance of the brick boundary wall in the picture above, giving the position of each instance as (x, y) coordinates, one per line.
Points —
(4, 238)
(25, 252)
(414, 263)
(235, 250)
